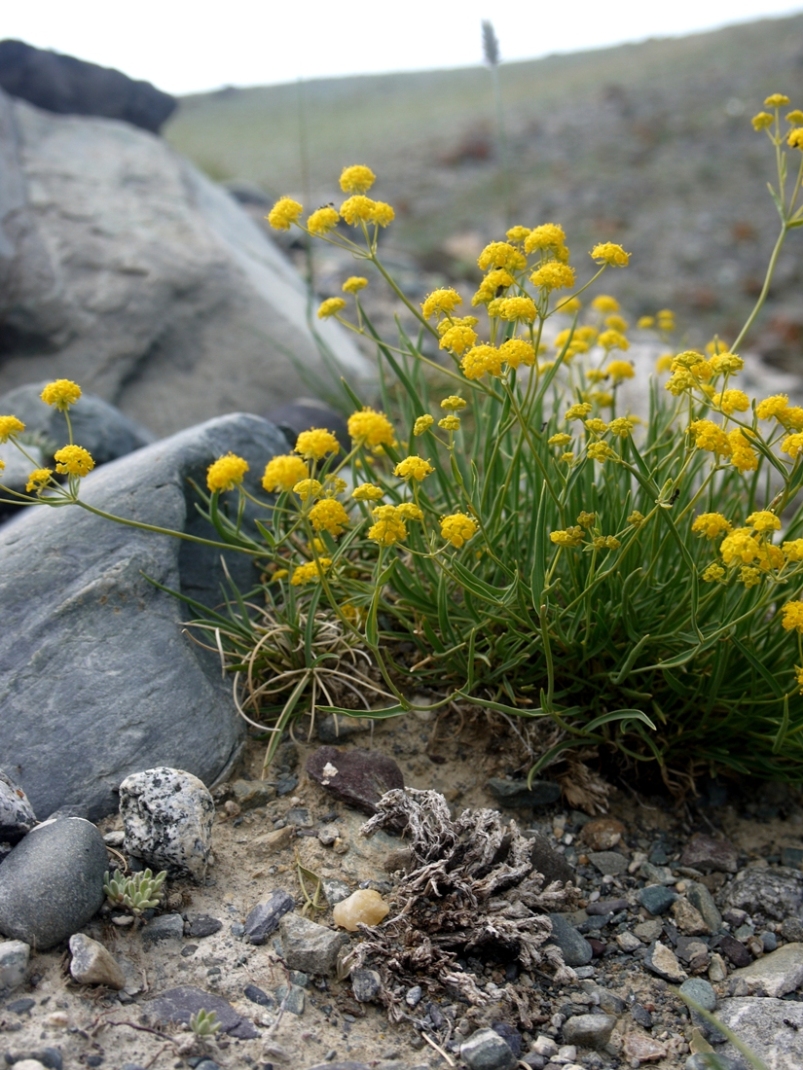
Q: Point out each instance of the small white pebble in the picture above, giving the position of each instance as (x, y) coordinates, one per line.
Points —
(58, 1020)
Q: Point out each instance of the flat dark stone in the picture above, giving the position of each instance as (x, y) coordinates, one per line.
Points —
(20, 1006)
(515, 795)
(356, 777)
(265, 917)
(735, 951)
(708, 855)
(256, 995)
(607, 906)
(179, 1004)
(656, 898)
(547, 861)
(203, 925)
(577, 951)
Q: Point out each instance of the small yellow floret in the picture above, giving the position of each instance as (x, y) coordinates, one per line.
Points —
(225, 473)
(613, 340)
(763, 520)
(453, 403)
(481, 360)
(316, 443)
(330, 307)
(310, 572)
(450, 423)
(597, 426)
(457, 528)
(329, 515)
(553, 276)
(711, 525)
(636, 518)
(713, 573)
(9, 427)
(795, 117)
(517, 308)
(354, 284)
(792, 614)
(619, 370)
(561, 439)
(458, 338)
(645, 322)
(308, 489)
(610, 253)
(500, 254)
(389, 527)
(370, 428)
(515, 351)
(413, 468)
(283, 472)
(793, 445)
(38, 480)
(730, 401)
(410, 511)
(549, 237)
(422, 424)
(710, 436)
(568, 536)
(76, 461)
(793, 550)
(772, 406)
(762, 121)
(323, 221)
(492, 286)
(605, 303)
(283, 213)
(445, 300)
(578, 411)
(776, 100)
(367, 492)
(740, 546)
(606, 542)
(61, 393)
(357, 179)
(622, 426)
(601, 452)
(743, 456)
(795, 138)
(586, 520)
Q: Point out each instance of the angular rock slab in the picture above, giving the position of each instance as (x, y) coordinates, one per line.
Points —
(16, 813)
(772, 1028)
(167, 820)
(775, 974)
(179, 1004)
(98, 680)
(51, 884)
(357, 777)
(93, 964)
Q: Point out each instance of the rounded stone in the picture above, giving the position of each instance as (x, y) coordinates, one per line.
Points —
(486, 1050)
(589, 1030)
(51, 884)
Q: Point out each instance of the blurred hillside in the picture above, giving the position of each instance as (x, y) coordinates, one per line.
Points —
(648, 145)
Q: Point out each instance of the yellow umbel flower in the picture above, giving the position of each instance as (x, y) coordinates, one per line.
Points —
(283, 472)
(772, 406)
(568, 536)
(61, 393)
(515, 351)
(481, 360)
(357, 209)
(389, 527)
(616, 322)
(605, 542)
(795, 117)
(569, 305)
(793, 551)
(357, 179)
(453, 403)
(645, 322)
(457, 528)
(792, 444)
(711, 525)
(561, 440)
(713, 574)
(76, 461)
(636, 518)
(410, 511)
(316, 443)
(38, 480)
(586, 520)
(596, 426)
(743, 456)
(329, 515)
(610, 253)
(500, 254)
(762, 121)
(549, 237)
(285, 212)
(10, 426)
(740, 545)
(444, 300)
(613, 340)
(517, 233)
(605, 303)
(776, 100)
(750, 576)
(517, 308)
(225, 473)
(330, 307)
(450, 423)
(422, 424)
(622, 426)
(334, 485)
(763, 520)
(726, 364)
(323, 221)
(792, 614)
(310, 572)
(383, 215)
(578, 411)
(553, 276)
(791, 418)
(664, 363)
(710, 436)
(618, 370)
(601, 452)
(372, 429)
(730, 401)
(458, 338)
(308, 489)
(494, 283)
(602, 399)
(353, 284)
(413, 468)
(367, 492)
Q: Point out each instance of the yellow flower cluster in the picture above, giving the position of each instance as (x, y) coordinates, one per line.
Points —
(283, 472)
(357, 179)
(568, 536)
(457, 528)
(61, 393)
(444, 300)
(38, 480)
(413, 468)
(76, 461)
(370, 428)
(611, 254)
(500, 254)
(310, 572)
(330, 307)
(9, 427)
(316, 443)
(329, 515)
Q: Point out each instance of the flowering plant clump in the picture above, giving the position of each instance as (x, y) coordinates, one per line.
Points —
(501, 534)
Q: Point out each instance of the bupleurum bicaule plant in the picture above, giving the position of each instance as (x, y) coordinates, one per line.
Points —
(508, 539)
(135, 893)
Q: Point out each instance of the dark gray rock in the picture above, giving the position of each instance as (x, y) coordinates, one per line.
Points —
(74, 594)
(701, 992)
(713, 1062)
(177, 1005)
(161, 295)
(200, 925)
(609, 863)
(98, 426)
(700, 898)
(576, 949)
(302, 414)
(356, 777)
(165, 927)
(709, 855)
(588, 1030)
(167, 819)
(251, 794)
(515, 795)
(310, 947)
(656, 898)
(51, 884)
(291, 998)
(772, 1028)
(773, 893)
(735, 951)
(48, 1057)
(334, 729)
(512, 1037)
(264, 918)
(256, 995)
(603, 907)
(547, 861)
(16, 813)
(366, 985)
(486, 1050)
(70, 86)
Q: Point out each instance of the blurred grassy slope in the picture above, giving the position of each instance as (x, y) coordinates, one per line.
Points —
(648, 144)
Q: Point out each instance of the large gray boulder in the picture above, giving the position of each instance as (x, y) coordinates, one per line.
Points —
(123, 268)
(97, 679)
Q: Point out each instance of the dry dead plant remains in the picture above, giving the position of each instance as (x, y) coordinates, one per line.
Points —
(469, 894)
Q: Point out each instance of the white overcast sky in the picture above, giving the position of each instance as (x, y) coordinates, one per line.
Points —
(185, 47)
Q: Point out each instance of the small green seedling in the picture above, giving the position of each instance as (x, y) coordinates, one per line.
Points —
(204, 1023)
(137, 893)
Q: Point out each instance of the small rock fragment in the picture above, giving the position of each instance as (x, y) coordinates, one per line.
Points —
(250, 794)
(363, 907)
(643, 1049)
(735, 951)
(656, 898)
(688, 919)
(14, 955)
(167, 818)
(589, 1030)
(356, 777)
(515, 795)
(602, 834)
(486, 1050)
(775, 974)
(628, 942)
(662, 961)
(334, 729)
(546, 861)
(291, 998)
(700, 898)
(179, 1004)
(609, 863)
(16, 813)
(576, 949)
(93, 964)
(165, 927)
(310, 947)
(366, 985)
(648, 931)
(264, 918)
(201, 925)
(708, 855)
